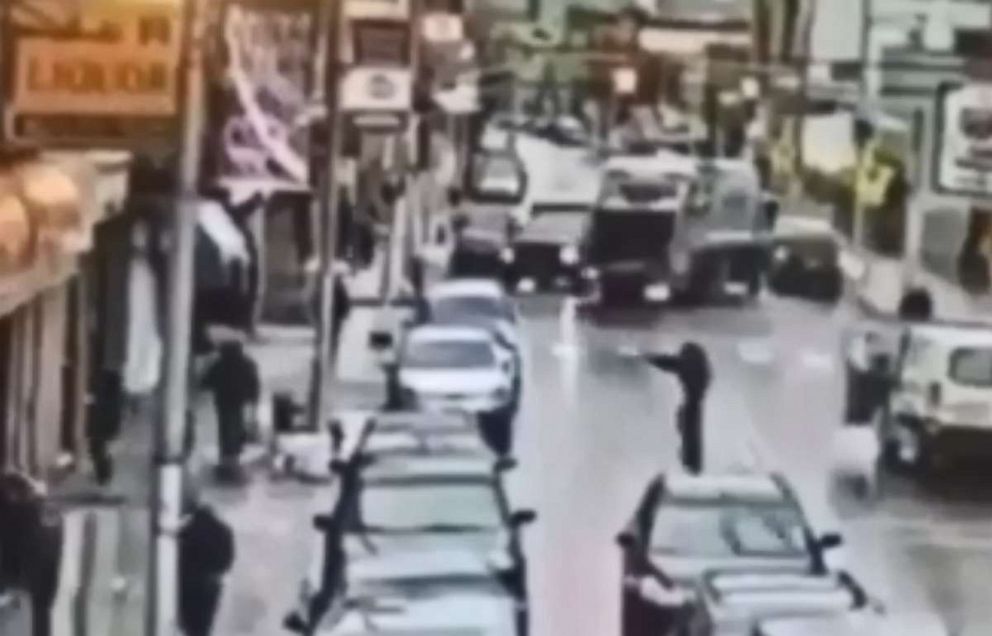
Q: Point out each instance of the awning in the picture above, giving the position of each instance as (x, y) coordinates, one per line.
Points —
(220, 228)
(15, 234)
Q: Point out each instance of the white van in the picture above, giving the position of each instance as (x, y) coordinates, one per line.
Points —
(941, 403)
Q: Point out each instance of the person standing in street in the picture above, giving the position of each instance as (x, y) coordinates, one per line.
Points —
(206, 554)
(234, 380)
(691, 367)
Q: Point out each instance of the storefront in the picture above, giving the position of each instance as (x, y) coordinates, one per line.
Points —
(50, 323)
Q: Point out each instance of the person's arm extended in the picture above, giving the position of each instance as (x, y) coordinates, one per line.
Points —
(664, 361)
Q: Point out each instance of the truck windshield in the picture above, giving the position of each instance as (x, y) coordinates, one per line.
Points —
(630, 235)
(972, 366)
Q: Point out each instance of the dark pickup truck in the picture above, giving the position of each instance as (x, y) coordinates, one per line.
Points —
(546, 253)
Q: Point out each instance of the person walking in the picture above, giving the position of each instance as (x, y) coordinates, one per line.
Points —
(691, 367)
(234, 380)
(206, 554)
(340, 311)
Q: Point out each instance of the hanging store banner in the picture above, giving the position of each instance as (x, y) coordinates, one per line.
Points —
(97, 73)
(964, 143)
(260, 99)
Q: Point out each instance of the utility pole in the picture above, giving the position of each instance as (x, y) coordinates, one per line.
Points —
(169, 461)
(858, 210)
(327, 199)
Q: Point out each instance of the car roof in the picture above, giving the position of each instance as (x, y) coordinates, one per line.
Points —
(448, 333)
(426, 470)
(952, 335)
(857, 624)
(750, 487)
(663, 162)
(467, 287)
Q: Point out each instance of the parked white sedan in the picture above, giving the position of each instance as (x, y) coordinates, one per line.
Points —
(446, 369)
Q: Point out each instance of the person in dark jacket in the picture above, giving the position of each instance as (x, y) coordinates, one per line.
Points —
(103, 422)
(691, 367)
(31, 537)
(206, 554)
(341, 309)
(234, 380)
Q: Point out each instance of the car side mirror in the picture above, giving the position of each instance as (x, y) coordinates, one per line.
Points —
(625, 540)
(830, 540)
(505, 464)
(522, 518)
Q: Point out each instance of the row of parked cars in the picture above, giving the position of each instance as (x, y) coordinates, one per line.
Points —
(425, 537)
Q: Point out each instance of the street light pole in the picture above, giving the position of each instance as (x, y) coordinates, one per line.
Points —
(169, 461)
(327, 200)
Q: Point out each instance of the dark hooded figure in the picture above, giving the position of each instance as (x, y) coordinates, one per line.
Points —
(31, 536)
(341, 309)
(691, 367)
(233, 378)
(206, 553)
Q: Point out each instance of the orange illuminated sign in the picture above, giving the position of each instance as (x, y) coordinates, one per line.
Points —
(110, 75)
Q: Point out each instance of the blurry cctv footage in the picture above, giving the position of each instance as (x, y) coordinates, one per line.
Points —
(495, 318)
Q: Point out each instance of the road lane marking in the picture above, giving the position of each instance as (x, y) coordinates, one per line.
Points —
(814, 360)
(756, 351)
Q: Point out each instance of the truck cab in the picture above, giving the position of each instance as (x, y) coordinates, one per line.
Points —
(632, 246)
(727, 230)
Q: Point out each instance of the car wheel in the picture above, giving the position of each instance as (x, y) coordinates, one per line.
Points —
(831, 287)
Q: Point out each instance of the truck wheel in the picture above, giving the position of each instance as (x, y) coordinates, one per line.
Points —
(754, 285)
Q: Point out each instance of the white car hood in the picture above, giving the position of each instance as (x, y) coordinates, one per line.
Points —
(460, 381)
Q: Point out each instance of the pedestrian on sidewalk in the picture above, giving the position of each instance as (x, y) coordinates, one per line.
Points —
(340, 310)
(206, 554)
(31, 537)
(691, 367)
(234, 380)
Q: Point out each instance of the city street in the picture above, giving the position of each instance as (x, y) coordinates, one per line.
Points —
(595, 427)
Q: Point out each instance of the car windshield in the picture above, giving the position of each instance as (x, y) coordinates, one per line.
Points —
(416, 506)
(462, 354)
(972, 366)
(722, 530)
(496, 168)
(469, 310)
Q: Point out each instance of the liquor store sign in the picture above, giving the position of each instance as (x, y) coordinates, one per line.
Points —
(107, 77)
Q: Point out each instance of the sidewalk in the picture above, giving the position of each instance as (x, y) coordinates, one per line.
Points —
(106, 556)
(876, 282)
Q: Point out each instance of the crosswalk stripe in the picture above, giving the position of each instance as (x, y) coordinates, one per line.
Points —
(817, 360)
(756, 352)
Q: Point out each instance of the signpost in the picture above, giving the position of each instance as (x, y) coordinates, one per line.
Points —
(964, 139)
(105, 74)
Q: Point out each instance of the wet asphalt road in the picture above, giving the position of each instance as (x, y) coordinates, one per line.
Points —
(596, 426)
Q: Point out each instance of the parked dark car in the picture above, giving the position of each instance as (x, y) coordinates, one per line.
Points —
(546, 253)
(805, 263)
